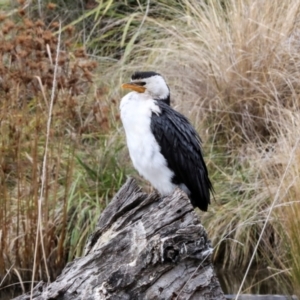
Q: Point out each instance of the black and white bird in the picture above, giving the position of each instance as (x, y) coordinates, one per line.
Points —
(164, 147)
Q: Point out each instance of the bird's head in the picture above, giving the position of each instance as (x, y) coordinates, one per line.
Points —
(150, 83)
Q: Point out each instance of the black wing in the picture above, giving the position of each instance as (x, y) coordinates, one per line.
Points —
(181, 146)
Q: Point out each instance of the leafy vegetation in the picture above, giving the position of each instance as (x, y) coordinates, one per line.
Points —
(233, 69)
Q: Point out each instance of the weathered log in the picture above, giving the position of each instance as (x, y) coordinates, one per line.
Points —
(144, 247)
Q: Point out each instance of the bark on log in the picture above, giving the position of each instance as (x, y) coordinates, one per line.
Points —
(144, 247)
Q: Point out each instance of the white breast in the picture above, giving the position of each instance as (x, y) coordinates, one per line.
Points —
(136, 110)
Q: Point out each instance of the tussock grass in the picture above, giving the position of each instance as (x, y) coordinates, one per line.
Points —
(233, 68)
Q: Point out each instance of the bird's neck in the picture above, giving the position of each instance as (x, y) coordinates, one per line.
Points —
(165, 100)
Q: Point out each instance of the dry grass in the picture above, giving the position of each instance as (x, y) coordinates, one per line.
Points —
(73, 187)
(233, 67)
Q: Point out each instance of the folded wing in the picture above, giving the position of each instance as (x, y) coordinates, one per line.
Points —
(181, 146)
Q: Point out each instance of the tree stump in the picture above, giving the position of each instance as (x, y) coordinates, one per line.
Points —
(144, 247)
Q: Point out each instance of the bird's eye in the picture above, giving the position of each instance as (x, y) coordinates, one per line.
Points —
(141, 83)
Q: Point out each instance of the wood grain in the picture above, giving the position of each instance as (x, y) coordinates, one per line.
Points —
(143, 247)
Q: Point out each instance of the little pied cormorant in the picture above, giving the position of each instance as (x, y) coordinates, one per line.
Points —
(163, 145)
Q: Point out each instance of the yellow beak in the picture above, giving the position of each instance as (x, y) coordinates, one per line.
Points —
(134, 87)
